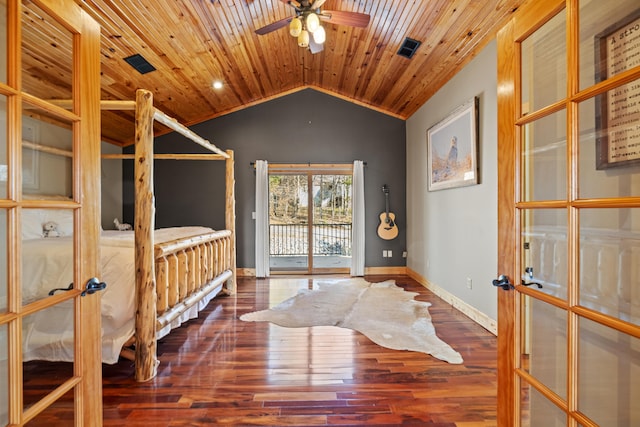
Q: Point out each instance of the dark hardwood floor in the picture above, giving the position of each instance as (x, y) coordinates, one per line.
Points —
(219, 371)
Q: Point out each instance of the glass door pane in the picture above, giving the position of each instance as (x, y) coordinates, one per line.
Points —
(544, 77)
(610, 140)
(609, 375)
(544, 349)
(3, 41)
(610, 273)
(331, 221)
(544, 158)
(604, 37)
(538, 410)
(289, 222)
(4, 274)
(4, 166)
(4, 376)
(47, 46)
(544, 254)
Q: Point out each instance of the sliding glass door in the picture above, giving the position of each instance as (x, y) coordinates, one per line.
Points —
(309, 220)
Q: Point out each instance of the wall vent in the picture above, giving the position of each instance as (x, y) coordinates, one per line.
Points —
(408, 47)
(139, 63)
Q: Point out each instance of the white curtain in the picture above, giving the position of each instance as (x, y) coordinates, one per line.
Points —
(262, 218)
(357, 243)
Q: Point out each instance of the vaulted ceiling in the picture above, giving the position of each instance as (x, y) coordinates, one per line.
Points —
(192, 43)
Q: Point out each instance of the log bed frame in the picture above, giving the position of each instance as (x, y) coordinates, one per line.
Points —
(174, 276)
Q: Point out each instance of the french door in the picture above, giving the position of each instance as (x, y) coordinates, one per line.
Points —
(569, 217)
(310, 219)
(49, 173)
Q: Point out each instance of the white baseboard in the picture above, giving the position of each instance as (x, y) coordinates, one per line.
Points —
(473, 313)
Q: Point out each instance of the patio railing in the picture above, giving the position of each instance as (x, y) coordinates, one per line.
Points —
(292, 239)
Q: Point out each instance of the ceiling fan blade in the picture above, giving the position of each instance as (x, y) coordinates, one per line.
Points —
(341, 17)
(315, 47)
(292, 3)
(273, 26)
(317, 4)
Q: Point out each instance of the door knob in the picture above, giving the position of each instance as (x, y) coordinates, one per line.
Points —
(68, 288)
(503, 282)
(529, 273)
(93, 285)
(523, 283)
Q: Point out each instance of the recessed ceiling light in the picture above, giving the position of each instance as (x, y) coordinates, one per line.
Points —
(217, 84)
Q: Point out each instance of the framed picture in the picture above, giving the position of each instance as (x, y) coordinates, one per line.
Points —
(452, 149)
(617, 50)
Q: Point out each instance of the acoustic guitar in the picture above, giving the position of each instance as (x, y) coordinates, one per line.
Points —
(388, 229)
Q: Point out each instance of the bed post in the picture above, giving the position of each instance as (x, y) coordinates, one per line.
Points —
(230, 218)
(144, 222)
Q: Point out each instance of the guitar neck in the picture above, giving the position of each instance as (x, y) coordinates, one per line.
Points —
(386, 200)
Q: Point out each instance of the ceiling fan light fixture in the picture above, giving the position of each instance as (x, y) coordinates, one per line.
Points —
(313, 22)
(303, 38)
(295, 27)
(319, 35)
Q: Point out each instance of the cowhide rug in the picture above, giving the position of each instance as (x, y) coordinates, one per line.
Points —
(384, 312)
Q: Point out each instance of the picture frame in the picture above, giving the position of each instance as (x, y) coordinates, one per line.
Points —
(616, 51)
(452, 149)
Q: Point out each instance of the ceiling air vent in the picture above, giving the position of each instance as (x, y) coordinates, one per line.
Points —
(139, 63)
(409, 47)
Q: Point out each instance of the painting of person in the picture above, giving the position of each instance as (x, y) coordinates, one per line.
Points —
(452, 158)
(452, 147)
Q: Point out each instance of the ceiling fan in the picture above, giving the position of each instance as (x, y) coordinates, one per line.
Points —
(306, 27)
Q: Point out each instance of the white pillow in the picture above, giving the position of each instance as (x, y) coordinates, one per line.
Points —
(32, 220)
(64, 219)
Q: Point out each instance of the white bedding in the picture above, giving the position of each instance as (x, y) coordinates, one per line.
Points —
(47, 264)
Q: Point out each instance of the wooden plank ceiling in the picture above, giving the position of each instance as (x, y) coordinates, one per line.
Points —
(191, 43)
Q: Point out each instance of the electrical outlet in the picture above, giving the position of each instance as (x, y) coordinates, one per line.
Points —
(390, 253)
(469, 283)
(384, 254)
(404, 254)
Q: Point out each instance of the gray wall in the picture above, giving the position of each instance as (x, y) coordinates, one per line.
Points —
(304, 127)
(111, 200)
(453, 232)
